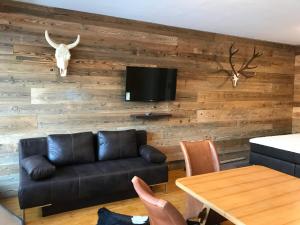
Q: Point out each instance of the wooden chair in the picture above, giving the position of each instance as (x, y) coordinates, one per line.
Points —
(160, 211)
(200, 158)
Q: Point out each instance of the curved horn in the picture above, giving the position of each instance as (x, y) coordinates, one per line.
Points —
(74, 44)
(50, 42)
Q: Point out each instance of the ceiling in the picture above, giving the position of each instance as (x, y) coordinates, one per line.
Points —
(272, 20)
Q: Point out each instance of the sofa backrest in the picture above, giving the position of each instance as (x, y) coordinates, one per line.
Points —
(141, 137)
(32, 146)
(38, 146)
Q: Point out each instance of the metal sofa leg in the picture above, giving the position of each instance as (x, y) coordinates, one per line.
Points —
(166, 188)
(23, 216)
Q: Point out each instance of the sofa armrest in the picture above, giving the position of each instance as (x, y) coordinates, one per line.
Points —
(151, 154)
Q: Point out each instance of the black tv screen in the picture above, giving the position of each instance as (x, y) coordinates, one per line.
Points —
(150, 84)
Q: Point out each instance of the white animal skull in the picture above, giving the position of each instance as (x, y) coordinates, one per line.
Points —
(62, 53)
(235, 78)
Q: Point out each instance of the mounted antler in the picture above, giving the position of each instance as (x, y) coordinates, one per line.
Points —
(246, 65)
(235, 74)
(232, 52)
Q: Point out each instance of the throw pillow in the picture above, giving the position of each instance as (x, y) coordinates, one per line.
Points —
(38, 167)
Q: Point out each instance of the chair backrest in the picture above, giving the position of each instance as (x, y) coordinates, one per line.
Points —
(200, 157)
(160, 211)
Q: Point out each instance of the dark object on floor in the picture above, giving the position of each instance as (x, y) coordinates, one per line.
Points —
(213, 218)
(90, 181)
(106, 217)
(8, 218)
(190, 222)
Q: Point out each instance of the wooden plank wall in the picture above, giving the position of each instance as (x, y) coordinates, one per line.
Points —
(296, 109)
(36, 101)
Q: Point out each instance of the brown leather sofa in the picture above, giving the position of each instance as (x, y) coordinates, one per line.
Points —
(89, 169)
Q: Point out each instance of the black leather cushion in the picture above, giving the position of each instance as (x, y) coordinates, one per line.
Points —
(151, 154)
(89, 181)
(117, 144)
(64, 149)
(141, 137)
(38, 167)
(62, 187)
(32, 146)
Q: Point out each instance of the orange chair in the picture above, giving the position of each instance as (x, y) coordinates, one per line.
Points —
(160, 211)
(200, 157)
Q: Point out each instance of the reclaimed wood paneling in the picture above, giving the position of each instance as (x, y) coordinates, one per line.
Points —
(296, 109)
(36, 101)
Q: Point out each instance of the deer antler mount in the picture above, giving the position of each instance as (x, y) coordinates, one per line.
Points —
(236, 73)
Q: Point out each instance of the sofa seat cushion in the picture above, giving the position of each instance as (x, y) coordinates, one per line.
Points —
(61, 187)
(84, 181)
(151, 173)
(66, 149)
(107, 177)
(117, 144)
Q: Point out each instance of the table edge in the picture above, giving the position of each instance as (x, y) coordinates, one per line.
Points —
(208, 204)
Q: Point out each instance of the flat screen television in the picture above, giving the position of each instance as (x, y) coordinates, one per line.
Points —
(150, 84)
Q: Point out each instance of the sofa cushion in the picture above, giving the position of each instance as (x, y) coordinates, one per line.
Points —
(151, 173)
(65, 149)
(152, 154)
(32, 146)
(29, 188)
(117, 144)
(60, 188)
(38, 167)
(88, 181)
(141, 137)
(114, 176)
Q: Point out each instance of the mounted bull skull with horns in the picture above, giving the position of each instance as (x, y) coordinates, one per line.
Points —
(234, 73)
(62, 53)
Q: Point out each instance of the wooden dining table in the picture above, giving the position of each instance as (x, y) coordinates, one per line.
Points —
(252, 195)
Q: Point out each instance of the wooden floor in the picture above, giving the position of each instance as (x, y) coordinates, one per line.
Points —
(88, 216)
